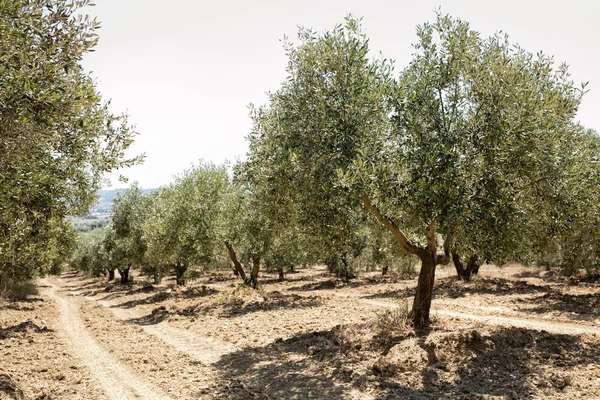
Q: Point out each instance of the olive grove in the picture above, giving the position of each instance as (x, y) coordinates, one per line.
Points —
(470, 154)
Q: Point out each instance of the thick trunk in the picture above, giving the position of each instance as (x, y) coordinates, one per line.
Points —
(423, 297)
(429, 255)
(238, 267)
(124, 272)
(281, 273)
(346, 273)
(111, 274)
(473, 265)
(254, 272)
(180, 269)
(385, 269)
(476, 267)
(463, 272)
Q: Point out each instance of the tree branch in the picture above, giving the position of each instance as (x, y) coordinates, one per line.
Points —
(432, 244)
(403, 241)
(238, 266)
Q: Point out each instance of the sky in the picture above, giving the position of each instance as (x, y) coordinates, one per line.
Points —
(186, 70)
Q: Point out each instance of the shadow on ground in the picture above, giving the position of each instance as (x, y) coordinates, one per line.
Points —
(332, 365)
(198, 292)
(453, 288)
(22, 330)
(579, 307)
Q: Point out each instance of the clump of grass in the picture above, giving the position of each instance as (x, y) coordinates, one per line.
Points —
(395, 319)
(239, 294)
(18, 290)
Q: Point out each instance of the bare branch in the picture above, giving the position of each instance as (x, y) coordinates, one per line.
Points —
(405, 244)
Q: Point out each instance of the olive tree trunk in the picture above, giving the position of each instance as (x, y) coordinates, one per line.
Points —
(465, 272)
(124, 272)
(430, 256)
(180, 269)
(236, 264)
(254, 272)
(111, 274)
(422, 302)
(157, 276)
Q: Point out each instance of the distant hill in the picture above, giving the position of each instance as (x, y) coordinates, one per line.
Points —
(105, 202)
(100, 212)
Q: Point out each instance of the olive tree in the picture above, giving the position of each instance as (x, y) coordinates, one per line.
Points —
(437, 156)
(473, 120)
(185, 220)
(57, 136)
(565, 214)
(314, 127)
(130, 212)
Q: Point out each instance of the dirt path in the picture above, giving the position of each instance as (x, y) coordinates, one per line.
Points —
(553, 327)
(118, 381)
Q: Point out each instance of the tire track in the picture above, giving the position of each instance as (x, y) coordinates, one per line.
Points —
(118, 381)
(205, 350)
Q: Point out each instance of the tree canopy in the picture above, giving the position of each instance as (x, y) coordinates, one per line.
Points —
(440, 156)
(57, 135)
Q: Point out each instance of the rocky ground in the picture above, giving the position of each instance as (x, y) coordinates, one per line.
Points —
(511, 333)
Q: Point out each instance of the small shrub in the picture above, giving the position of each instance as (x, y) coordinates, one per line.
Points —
(239, 294)
(18, 290)
(394, 319)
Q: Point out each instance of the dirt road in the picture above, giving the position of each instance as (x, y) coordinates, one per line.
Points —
(118, 381)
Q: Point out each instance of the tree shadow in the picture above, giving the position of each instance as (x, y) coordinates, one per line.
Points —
(334, 283)
(22, 329)
(512, 362)
(9, 387)
(157, 316)
(322, 285)
(281, 370)
(404, 293)
(577, 307)
(198, 292)
(239, 306)
(453, 288)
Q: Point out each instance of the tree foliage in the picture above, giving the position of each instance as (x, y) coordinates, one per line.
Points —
(440, 156)
(57, 136)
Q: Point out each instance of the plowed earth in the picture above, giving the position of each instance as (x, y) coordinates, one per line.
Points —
(511, 333)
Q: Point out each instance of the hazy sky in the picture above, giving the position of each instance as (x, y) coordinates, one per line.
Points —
(186, 70)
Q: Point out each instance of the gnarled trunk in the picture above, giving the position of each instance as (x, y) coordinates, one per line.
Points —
(422, 302)
(236, 264)
(475, 270)
(346, 274)
(281, 273)
(254, 272)
(463, 272)
(385, 269)
(180, 269)
(124, 272)
(429, 255)
(111, 274)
